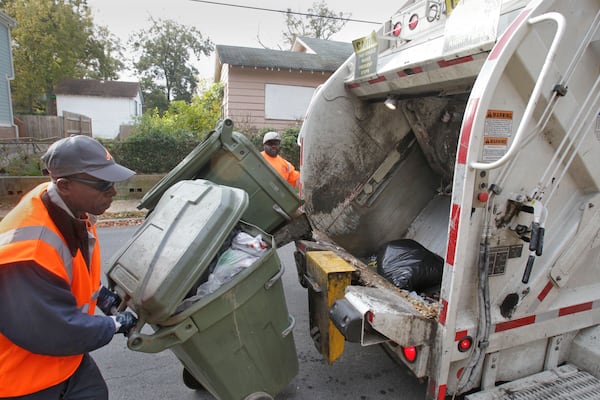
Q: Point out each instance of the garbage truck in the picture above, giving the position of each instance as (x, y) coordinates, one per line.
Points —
(450, 172)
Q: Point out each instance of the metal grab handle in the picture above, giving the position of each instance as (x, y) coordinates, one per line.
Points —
(163, 338)
(280, 211)
(275, 278)
(290, 327)
(535, 94)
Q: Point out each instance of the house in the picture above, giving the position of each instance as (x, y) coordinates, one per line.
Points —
(272, 88)
(7, 127)
(110, 104)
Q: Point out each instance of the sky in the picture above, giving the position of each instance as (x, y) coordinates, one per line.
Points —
(230, 25)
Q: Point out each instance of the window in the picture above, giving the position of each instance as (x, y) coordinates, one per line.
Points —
(286, 101)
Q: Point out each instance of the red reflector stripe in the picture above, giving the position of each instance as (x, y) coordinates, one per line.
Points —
(443, 312)
(441, 392)
(465, 134)
(377, 80)
(516, 323)
(353, 85)
(449, 63)
(575, 309)
(545, 291)
(460, 334)
(453, 234)
(507, 34)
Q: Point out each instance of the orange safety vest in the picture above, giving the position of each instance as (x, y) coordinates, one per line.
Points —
(284, 167)
(28, 234)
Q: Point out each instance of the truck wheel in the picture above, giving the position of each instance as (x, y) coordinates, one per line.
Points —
(191, 382)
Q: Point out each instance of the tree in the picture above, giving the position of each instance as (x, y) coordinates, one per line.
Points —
(106, 55)
(165, 53)
(55, 39)
(319, 22)
(182, 119)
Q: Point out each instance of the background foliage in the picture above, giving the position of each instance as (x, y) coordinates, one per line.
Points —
(164, 62)
(150, 152)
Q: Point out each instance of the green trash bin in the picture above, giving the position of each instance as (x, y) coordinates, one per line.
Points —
(236, 341)
(229, 158)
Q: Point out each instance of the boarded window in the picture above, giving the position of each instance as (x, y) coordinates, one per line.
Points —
(287, 102)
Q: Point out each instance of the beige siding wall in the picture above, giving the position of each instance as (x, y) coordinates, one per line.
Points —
(244, 100)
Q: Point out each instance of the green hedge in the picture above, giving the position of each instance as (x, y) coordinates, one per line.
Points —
(155, 153)
(151, 154)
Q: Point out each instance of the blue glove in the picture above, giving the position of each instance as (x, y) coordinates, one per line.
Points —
(108, 301)
(124, 322)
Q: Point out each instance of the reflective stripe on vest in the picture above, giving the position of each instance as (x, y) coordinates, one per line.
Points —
(45, 235)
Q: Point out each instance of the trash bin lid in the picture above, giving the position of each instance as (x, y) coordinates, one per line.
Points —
(170, 251)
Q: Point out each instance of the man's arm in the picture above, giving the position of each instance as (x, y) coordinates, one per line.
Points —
(39, 313)
(293, 175)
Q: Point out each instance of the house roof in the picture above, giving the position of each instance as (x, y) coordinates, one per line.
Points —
(340, 50)
(90, 87)
(324, 55)
(7, 20)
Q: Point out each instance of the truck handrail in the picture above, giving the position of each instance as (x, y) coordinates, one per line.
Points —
(535, 94)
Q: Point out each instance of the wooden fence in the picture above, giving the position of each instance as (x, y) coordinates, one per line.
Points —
(38, 132)
(44, 127)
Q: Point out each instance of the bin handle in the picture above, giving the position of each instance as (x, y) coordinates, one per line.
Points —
(290, 327)
(281, 212)
(275, 278)
(163, 338)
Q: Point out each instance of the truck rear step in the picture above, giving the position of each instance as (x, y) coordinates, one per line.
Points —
(565, 383)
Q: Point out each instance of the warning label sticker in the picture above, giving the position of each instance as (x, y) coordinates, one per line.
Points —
(497, 131)
(496, 141)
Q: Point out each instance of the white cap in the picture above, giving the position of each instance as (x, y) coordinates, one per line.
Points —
(271, 136)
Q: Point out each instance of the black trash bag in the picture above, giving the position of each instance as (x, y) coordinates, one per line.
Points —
(409, 265)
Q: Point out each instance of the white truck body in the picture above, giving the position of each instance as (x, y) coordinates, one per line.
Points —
(491, 161)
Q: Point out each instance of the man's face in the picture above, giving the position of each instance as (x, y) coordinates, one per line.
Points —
(272, 147)
(84, 193)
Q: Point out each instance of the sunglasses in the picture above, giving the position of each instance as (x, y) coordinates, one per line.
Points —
(99, 185)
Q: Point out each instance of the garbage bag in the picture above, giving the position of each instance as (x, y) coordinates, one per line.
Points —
(242, 251)
(253, 245)
(409, 265)
(231, 263)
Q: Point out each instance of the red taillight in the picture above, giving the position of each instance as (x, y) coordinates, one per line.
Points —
(410, 353)
(413, 22)
(397, 29)
(465, 344)
(370, 317)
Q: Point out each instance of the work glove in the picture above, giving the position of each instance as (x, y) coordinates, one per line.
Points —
(108, 301)
(124, 322)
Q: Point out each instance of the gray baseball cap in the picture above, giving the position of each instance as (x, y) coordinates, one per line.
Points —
(81, 154)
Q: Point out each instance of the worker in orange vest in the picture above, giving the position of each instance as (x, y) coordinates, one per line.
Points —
(50, 278)
(271, 145)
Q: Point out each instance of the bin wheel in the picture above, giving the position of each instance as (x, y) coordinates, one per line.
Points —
(191, 382)
(259, 396)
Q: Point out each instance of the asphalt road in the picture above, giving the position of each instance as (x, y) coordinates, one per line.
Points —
(363, 373)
